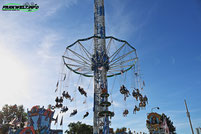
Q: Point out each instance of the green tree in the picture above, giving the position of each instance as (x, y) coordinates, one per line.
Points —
(79, 128)
(120, 130)
(170, 125)
(8, 114)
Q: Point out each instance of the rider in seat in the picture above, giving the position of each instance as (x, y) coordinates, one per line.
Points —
(64, 109)
(73, 113)
(57, 99)
(124, 91)
(87, 113)
(141, 98)
(145, 99)
(125, 112)
(57, 105)
(136, 109)
(141, 104)
(66, 95)
(81, 90)
(60, 105)
(60, 100)
(138, 91)
(135, 95)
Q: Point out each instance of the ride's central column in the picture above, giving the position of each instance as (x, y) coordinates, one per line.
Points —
(100, 66)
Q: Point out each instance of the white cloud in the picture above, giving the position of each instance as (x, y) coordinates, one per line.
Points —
(45, 49)
(69, 3)
(50, 7)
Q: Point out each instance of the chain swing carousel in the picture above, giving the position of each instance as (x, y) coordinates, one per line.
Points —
(106, 62)
(99, 58)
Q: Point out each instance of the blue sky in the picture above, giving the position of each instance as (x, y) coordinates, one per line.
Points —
(166, 34)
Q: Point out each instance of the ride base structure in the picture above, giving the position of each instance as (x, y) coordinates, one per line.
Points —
(156, 124)
(39, 122)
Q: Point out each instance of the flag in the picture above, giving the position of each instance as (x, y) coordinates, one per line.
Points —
(61, 123)
(56, 120)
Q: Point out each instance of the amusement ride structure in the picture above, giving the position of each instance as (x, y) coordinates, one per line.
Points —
(100, 57)
(103, 59)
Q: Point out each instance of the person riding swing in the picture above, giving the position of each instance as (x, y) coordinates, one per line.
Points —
(73, 113)
(87, 113)
(125, 112)
(58, 105)
(124, 91)
(141, 98)
(136, 109)
(145, 99)
(135, 95)
(61, 100)
(64, 109)
(81, 90)
(57, 99)
(66, 95)
(141, 104)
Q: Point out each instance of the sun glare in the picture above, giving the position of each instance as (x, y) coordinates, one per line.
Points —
(13, 77)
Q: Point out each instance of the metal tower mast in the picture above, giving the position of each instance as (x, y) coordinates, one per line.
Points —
(188, 115)
(100, 64)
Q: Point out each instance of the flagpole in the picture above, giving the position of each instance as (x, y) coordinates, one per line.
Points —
(188, 115)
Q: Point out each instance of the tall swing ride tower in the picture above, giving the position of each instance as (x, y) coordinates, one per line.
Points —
(100, 64)
(101, 61)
